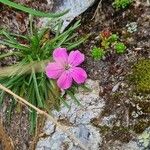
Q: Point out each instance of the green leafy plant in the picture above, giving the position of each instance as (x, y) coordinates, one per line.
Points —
(27, 77)
(121, 4)
(113, 38)
(108, 40)
(32, 11)
(97, 53)
(120, 48)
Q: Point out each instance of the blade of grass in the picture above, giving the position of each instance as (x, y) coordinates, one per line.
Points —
(2, 95)
(6, 42)
(7, 35)
(64, 102)
(31, 24)
(10, 54)
(73, 98)
(32, 11)
(83, 86)
(59, 26)
(77, 43)
(33, 115)
(39, 100)
(20, 36)
(32, 99)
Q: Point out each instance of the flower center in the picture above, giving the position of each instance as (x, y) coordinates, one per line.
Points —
(67, 66)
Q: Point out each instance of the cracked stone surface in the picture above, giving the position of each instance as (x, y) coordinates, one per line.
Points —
(77, 120)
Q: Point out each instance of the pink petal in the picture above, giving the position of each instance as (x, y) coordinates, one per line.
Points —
(65, 80)
(60, 55)
(78, 74)
(75, 58)
(54, 70)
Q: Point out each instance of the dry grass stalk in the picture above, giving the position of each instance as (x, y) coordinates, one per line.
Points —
(25, 69)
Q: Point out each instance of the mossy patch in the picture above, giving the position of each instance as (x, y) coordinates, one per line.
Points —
(140, 76)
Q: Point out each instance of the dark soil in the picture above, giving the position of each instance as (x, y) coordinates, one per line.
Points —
(112, 72)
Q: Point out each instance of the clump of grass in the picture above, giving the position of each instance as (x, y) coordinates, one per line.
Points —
(27, 77)
(140, 76)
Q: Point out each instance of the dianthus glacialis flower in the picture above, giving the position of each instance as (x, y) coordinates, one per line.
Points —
(65, 68)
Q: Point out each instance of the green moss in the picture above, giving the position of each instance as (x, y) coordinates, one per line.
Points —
(140, 76)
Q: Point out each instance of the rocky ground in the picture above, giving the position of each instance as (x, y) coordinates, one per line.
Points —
(112, 115)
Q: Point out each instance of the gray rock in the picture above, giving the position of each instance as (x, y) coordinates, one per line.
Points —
(77, 121)
(75, 7)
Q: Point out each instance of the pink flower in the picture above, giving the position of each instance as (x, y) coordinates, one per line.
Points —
(65, 68)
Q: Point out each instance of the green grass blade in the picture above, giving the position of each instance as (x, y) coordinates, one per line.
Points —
(84, 87)
(33, 120)
(31, 24)
(77, 43)
(13, 45)
(20, 36)
(64, 102)
(10, 54)
(32, 11)
(59, 26)
(2, 95)
(39, 100)
(73, 98)
(8, 36)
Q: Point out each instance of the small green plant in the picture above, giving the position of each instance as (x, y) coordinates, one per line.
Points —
(140, 76)
(121, 4)
(113, 38)
(98, 53)
(120, 48)
(108, 40)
